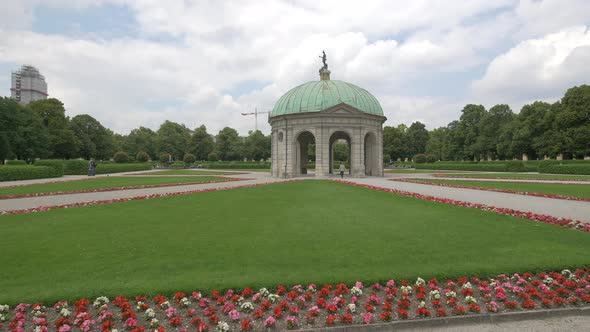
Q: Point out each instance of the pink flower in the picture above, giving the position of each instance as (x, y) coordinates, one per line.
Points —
(130, 322)
(234, 314)
(64, 328)
(170, 312)
(367, 317)
(358, 285)
(269, 322)
(353, 299)
(390, 283)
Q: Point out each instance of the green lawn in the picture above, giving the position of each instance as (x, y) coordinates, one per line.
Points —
(412, 170)
(298, 232)
(520, 176)
(103, 182)
(577, 190)
(185, 172)
(244, 169)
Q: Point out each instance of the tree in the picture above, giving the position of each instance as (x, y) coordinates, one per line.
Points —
(63, 143)
(189, 158)
(95, 139)
(437, 143)
(121, 157)
(228, 144)
(341, 151)
(469, 128)
(417, 138)
(257, 146)
(201, 143)
(395, 142)
(490, 125)
(142, 156)
(173, 138)
(141, 139)
(572, 118)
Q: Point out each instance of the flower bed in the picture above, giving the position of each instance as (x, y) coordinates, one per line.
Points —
(546, 219)
(308, 306)
(114, 188)
(454, 176)
(420, 181)
(136, 198)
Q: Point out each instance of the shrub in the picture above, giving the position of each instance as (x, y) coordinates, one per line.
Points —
(56, 164)
(120, 168)
(515, 166)
(189, 158)
(241, 165)
(420, 158)
(142, 157)
(75, 167)
(464, 167)
(121, 157)
(212, 156)
(430, 158)
(15, 162)
(177, 164)
(27, 172)
(165, 158)
(564, 169)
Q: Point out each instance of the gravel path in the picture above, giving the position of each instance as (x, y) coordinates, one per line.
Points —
(549, 206)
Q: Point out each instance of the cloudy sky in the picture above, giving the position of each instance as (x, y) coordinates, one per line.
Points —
(132, 63)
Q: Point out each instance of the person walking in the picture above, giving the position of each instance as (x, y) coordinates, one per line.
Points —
(342, 169)
(91, 167)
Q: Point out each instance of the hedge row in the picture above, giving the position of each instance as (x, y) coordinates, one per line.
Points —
(27, 172)
(120, 168)
(15, 162)
(75, 167)
(564, 169)
(234, 165)
(484, 167)
(56, 164)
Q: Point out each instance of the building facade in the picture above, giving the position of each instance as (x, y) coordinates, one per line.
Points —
(320, 113)
(28, 85)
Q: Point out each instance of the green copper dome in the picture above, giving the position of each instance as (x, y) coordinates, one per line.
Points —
(316, 96)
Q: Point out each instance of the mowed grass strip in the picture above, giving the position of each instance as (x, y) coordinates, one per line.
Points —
(103, 183)
(417, 171)
(185, 172)
(576, 190)
(287, 233)
(520, 176)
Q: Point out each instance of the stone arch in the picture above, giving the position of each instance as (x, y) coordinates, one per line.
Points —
(300, 149)
(334, 137)
(371, 154)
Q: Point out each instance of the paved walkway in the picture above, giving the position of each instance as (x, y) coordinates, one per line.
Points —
(33, 202)
(431, 176)
(549, 206)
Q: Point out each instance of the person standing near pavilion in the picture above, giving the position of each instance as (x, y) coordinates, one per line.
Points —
(342, 169)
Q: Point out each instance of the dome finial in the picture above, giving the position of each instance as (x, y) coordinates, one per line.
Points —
(324, 72)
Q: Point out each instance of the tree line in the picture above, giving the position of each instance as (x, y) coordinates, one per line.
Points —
(42, 130)
(540, 129)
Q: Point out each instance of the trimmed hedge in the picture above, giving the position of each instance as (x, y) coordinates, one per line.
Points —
(27, 172)
(56, 164)
(564, 169)
(467, 167)
(120, 168)
(234, 165)
(15, 162)
(76, 167)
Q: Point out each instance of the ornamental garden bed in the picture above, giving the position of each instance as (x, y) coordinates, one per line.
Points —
(308, 306)
(576, 192)
(287, 233)
(101, 184)
(186, 172)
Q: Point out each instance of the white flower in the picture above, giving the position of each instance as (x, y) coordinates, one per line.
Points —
(4, 308)
(470, 299)
(150, 313)
(3, 318)
(406, 289)
(352, 308)
(139, 304)
(422, 304)
(451, 294)
(165, 305)
(356, 291)
(246, 306)
(420, 282)
(100, 301)
(154, 322)
(65, 312)
(264, 292)
(467, 286)
(222, 327)
(435, 294)
(273, 298)
(185, 301)
(548, 281)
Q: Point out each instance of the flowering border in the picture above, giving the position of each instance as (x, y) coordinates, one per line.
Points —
(312, 307)
(542, 218)
(446, 175)
(508, 191)
(84, 191)
(127, 199)
(153, 173)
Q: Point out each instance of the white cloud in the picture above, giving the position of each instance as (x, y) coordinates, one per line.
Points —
(540, 68)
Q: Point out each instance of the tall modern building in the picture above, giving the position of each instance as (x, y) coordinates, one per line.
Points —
(28, 85)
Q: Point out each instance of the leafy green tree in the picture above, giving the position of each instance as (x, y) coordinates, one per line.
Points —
(471, 115)
(490, 125)
(572, 118)
(63, 143)
(257, 146)
(141, 139)
(95, 140)
(173, 138)
(201, 143)
(121, 157)
(417, 138)
(437, 143)
(395, 142)
(228, 144)
(341, 151)
(189, 158)
(142, 156)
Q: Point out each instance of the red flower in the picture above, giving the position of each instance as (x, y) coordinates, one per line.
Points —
(330, 320)
(510, 304)
(387, 306)
(176, 321)
(423, 312)
(440, 312)
(247, 292)
(246, 324)
(281, 290)
(278, 312)
(385, 316)
(258, 314)
(402, 314)
(346, 318)
(459, 310)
